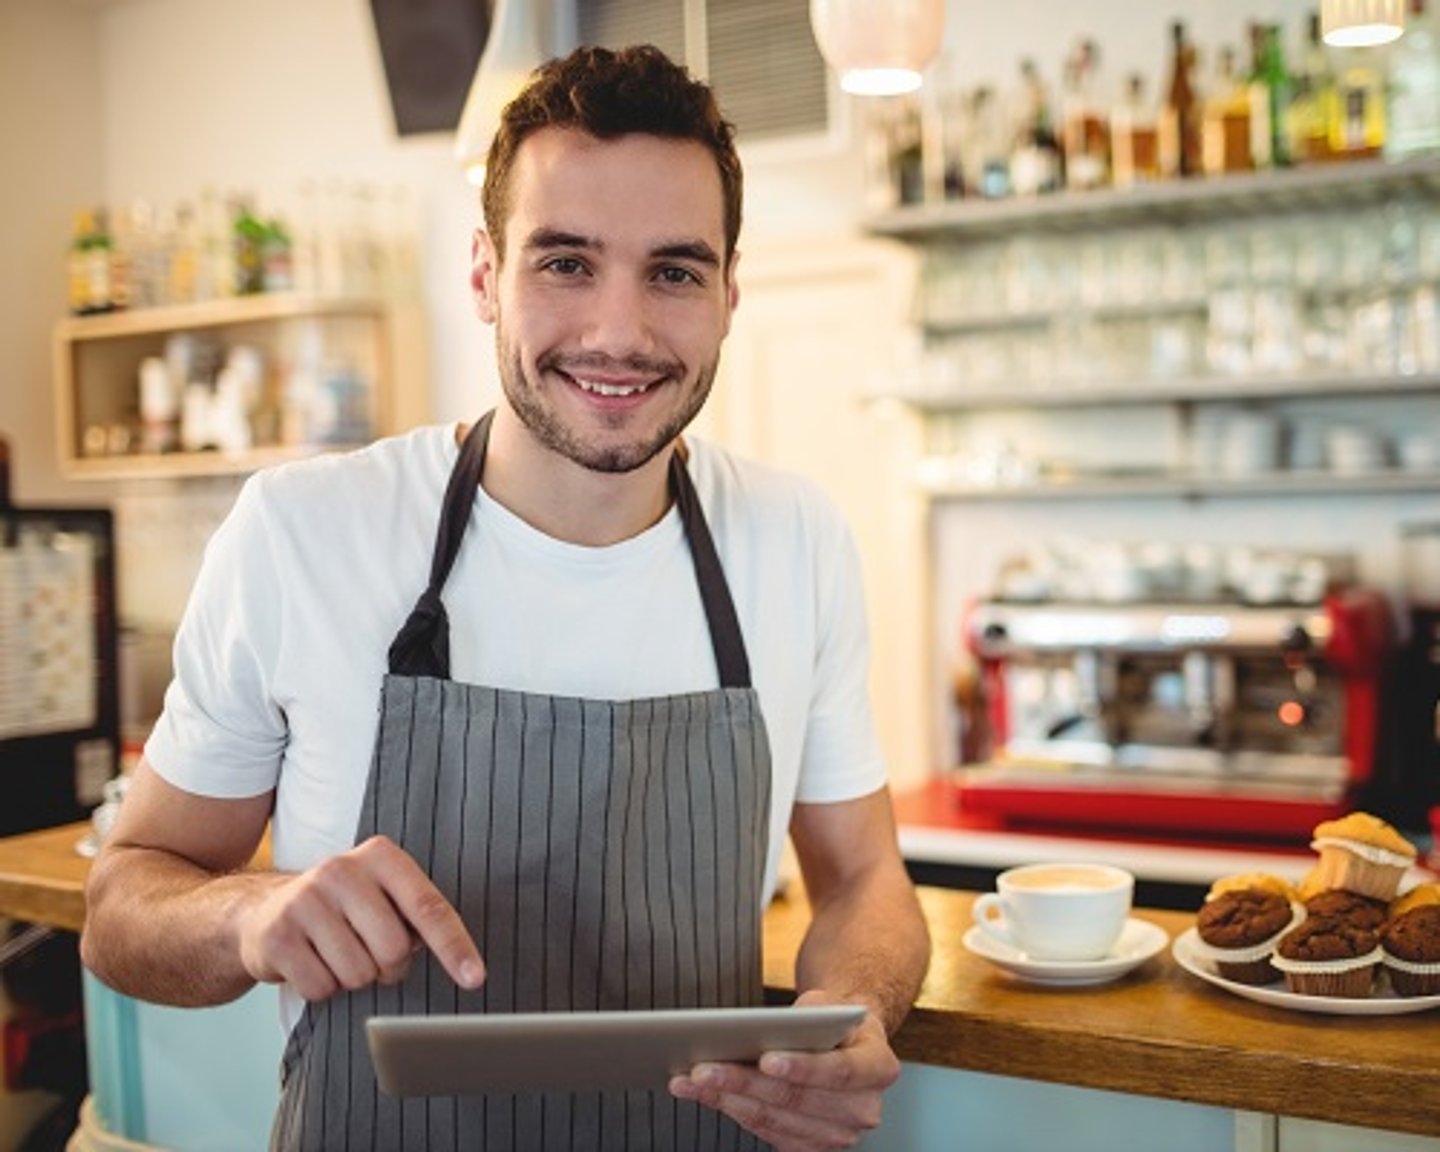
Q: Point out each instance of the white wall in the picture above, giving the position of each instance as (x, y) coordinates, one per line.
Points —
(50, 136)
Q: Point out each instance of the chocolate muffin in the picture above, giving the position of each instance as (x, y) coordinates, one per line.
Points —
(1411, 946)
(1326, 956)
(1366, 911)
(1239, 930)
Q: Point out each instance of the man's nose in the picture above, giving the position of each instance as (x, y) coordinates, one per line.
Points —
(619, 323)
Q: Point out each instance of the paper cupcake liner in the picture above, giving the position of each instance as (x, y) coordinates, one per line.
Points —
(1367, 852)
(1254, 951)
(1414, 967)
(1325, 967)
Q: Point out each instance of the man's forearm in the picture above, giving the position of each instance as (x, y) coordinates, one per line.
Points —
(162, 929)
(868, 944)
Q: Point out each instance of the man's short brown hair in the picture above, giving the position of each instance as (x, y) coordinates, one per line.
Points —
(608, 94)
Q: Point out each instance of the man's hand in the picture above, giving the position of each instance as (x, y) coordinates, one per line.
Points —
(354, 920)
(803, 1101)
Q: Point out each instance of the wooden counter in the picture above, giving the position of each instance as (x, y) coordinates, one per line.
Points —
(1156, 1032)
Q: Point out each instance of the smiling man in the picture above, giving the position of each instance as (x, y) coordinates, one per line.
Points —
(635, 663)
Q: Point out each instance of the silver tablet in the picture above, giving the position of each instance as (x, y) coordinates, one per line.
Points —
(586, 1051)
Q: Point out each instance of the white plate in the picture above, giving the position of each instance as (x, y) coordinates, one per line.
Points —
(1383, 1003)
(1139, 940)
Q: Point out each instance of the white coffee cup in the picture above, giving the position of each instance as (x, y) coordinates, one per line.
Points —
(1058, 911)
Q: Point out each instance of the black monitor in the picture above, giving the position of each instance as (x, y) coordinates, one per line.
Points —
(59, 675)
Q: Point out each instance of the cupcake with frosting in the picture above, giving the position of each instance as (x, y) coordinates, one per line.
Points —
(1362, 853)
(1411, 946)
(1238, 931)
(1324, 956)
(1427, 893)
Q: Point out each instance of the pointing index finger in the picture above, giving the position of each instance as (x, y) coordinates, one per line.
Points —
(424, 907)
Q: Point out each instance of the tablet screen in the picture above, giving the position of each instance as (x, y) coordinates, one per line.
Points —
(586, 1051)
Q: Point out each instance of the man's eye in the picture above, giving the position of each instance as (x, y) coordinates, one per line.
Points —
(564, 265)
(676, 275)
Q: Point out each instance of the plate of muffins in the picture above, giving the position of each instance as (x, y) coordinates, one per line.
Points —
(1345, 941)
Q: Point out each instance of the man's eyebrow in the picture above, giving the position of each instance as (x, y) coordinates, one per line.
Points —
(543, 238)
(694, 250)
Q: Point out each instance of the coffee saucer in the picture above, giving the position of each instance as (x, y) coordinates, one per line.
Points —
(1139, 941)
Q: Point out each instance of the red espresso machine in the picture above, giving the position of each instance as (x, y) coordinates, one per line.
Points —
(1205, 718)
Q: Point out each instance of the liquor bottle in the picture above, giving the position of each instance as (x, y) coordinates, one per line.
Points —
(1414, 90)
(90, 264)
(1086, 131)
(1037, 163)
(907, 160)
(248, 233)
(1180, 120)
(991, 154)
(183, 265)
(1225, 125)
(1358, 128)
(122, 269)
(1312, 102)
(1270, 87)
(1134, 144)
(78, 264)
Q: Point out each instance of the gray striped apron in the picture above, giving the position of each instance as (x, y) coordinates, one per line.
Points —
(604, 854)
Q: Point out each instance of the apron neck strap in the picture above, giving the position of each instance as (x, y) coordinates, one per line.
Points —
(725, 636)
(422, 646)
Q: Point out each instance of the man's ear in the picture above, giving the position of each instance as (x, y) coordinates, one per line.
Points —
(732, 290)
(484, 275)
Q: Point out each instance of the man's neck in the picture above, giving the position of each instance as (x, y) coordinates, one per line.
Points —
(565, 500)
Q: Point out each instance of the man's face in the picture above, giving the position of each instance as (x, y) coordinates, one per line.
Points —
(613, 298)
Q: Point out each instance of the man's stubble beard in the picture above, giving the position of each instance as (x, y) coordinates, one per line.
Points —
(547, 428)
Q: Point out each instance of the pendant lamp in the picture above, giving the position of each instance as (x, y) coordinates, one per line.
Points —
(1361, 23)
(512, 52)
(879, 47)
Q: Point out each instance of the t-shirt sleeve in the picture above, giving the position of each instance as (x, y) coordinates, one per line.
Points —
(841, 759)
(221, 732)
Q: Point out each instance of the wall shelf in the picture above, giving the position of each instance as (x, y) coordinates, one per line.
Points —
(1336, 185)
(1080, 486)
(1195, 389)
(352, 342)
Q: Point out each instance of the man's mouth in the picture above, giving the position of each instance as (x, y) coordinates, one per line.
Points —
(606, 388)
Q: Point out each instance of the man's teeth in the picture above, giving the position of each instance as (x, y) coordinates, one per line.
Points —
(600, 388)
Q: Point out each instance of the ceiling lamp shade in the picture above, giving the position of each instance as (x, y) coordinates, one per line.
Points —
(1361, 23)
(512, 52)
(879, 47)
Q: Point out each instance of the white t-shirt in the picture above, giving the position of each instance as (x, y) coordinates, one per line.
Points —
(282, 649)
